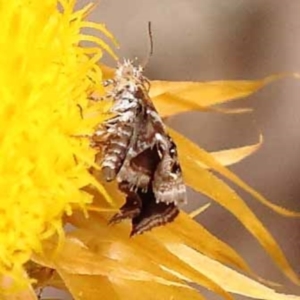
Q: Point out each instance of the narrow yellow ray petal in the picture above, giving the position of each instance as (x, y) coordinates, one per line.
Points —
(200, 157)
(100, 27)
(182, 230)
(84, 12)
(173, 97)
(84, 287)
(107, 71)
(199, 210)
(154, 291)
(232, 156)
(102, 209)
(101, 260)
(119, 258)
(51, 298)
(229, 279)
(99, 42)
(206, 183)
(147, 260)
(185, 230)
(170, 104)
(168, 95)
(216, 254)
(212, 92)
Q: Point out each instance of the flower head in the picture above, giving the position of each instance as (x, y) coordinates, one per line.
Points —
(44, 75)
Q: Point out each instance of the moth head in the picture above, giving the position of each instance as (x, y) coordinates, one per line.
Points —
(130, 79)
(127, 70)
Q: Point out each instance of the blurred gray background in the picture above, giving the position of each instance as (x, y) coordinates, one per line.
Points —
(235, 39)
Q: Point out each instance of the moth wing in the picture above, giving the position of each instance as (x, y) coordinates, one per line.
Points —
(168, 185)
(152, 214)
(138, 171)
(142, 156)
(131, 209)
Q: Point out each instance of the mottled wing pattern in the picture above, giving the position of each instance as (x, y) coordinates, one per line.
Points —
(131, 209)
(167, 184)
(145, 212)
(152, 214)
(140, 155)
(139, 170)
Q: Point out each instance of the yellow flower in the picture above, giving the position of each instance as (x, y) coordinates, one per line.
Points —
(45, 78)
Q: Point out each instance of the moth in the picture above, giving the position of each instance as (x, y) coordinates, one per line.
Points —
(139, 154)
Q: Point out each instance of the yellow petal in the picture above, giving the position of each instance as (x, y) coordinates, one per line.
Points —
(84, 287)
(100, 27)
(206, 183)
(170, 104)
(99, 42)
(108, 72)
(127, 261)
(193, 154)
(174, 97)
(182, 230)
(112, 259)
(235, 155)
(102, 257)
(7, 292)
(171, 97)
(199, 210)
(230, 280)
(44, 78)
(123, 266)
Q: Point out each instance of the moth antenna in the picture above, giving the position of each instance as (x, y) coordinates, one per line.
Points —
(146, 61)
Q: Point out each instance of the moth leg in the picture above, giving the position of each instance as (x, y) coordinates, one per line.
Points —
(96, 98)
(97, 139)
(105, 83)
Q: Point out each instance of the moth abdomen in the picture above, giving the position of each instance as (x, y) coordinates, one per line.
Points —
(115, 152)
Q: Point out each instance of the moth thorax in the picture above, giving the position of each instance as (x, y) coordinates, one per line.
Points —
(127, 85)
